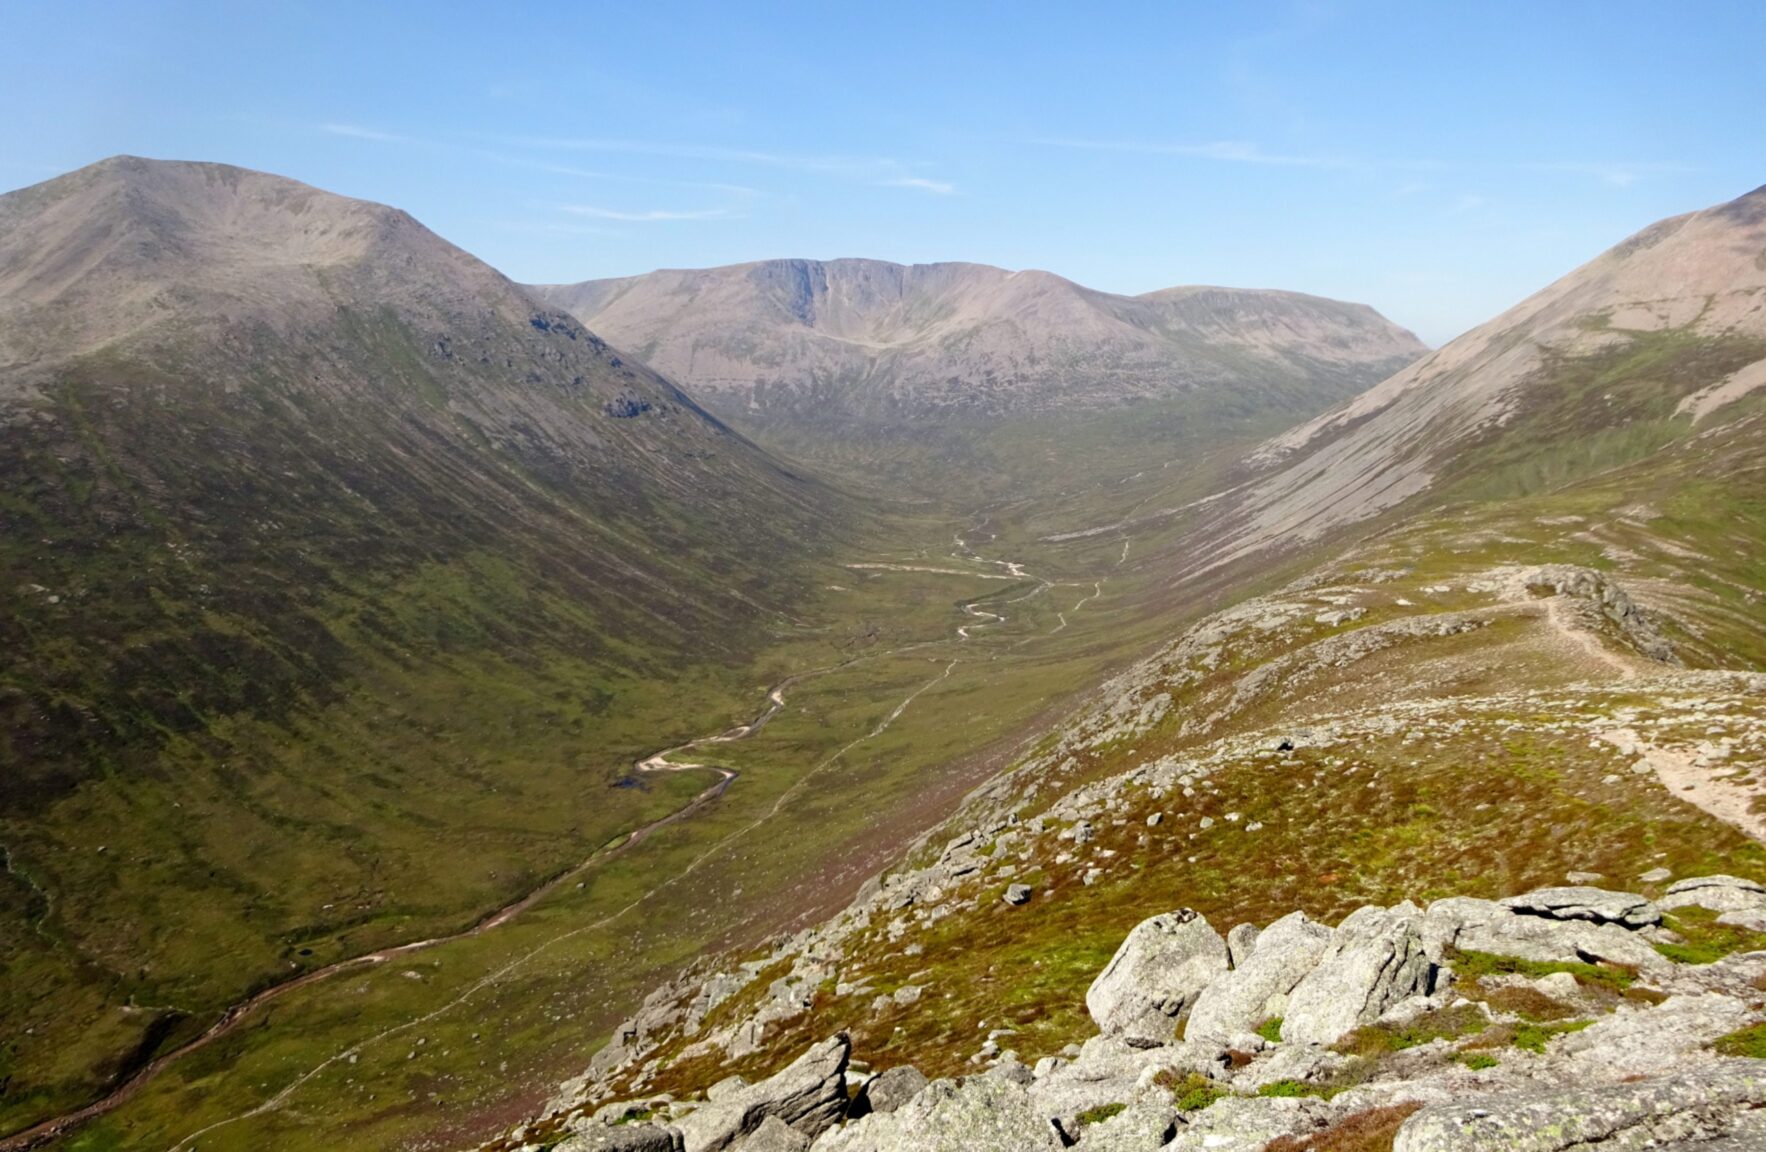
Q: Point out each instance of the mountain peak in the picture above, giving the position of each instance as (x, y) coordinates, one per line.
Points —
(123, 244)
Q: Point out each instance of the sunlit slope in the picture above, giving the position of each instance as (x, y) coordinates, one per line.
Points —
(341, 577)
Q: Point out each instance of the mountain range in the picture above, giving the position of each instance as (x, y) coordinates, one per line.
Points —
(1486, 693)
(866, 341)
(411, 673)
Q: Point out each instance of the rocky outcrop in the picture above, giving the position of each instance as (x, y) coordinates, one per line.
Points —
(1465, 924)
(1716, 893)
(774, 1135)
(624, 1138)
(889, 1090)
(980, 1114)
(1721, 1108)
(1258, 986)
(1374, 960)
(1144, 1126)
(1595, 905)
(1542, 1062)
(809, 1096)
(1158, 971)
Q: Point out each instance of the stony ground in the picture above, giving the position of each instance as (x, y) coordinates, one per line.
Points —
(1492, 785)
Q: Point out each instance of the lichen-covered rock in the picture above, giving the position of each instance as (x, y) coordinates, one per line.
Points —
(1108, 1070)
(1248, 1123)
(979, 1114)
(1374, 959)
(1723, 1101)
(623, 1138)
(1639, 1041)
(1143, 1126)
(773, 1135)
(1258, 988)
(1240, 943)
(889, 1090)
(1158, 971)
(1467, 924)
(1596, 905)
(809, 1095)
(1717, 893)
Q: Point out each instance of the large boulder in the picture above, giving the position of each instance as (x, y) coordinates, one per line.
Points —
(1717, 1106)
(1374, 959)
(1596, 905)
(1248, 1123)
(1718, 893)
(1258, 988)
(809, 1095)
(1650, 1041)
(978, 1114)
(623, 1138)
(889, 1090)
(1144, 1126)
(1466, 924)
(773, 1135)
(1158, 971)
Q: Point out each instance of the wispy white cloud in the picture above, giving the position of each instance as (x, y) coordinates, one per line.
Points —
(811, 162)
(357, 132)
(1616, 173)
(648, 216)
(554, 228)
(920, 183)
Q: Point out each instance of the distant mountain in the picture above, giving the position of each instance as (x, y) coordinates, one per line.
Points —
(866, 340)
(1661, 336)
(321, 537)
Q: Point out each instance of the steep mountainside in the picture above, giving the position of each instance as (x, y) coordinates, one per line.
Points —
(337, 570)
(1660, 336)
(1519, 661)
(884, 342)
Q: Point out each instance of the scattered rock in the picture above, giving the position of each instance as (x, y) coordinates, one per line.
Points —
(1018, 894)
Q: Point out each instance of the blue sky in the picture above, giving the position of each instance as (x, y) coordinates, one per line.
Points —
(1437, 161)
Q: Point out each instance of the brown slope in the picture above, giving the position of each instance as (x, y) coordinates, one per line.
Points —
(1615, 359)
(867, 337)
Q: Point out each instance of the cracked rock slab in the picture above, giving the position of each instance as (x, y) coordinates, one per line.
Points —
(1717, 1103)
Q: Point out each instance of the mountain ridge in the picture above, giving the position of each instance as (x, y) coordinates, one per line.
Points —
(774, 333)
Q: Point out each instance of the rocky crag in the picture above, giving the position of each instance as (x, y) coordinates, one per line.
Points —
(1564, 1018)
